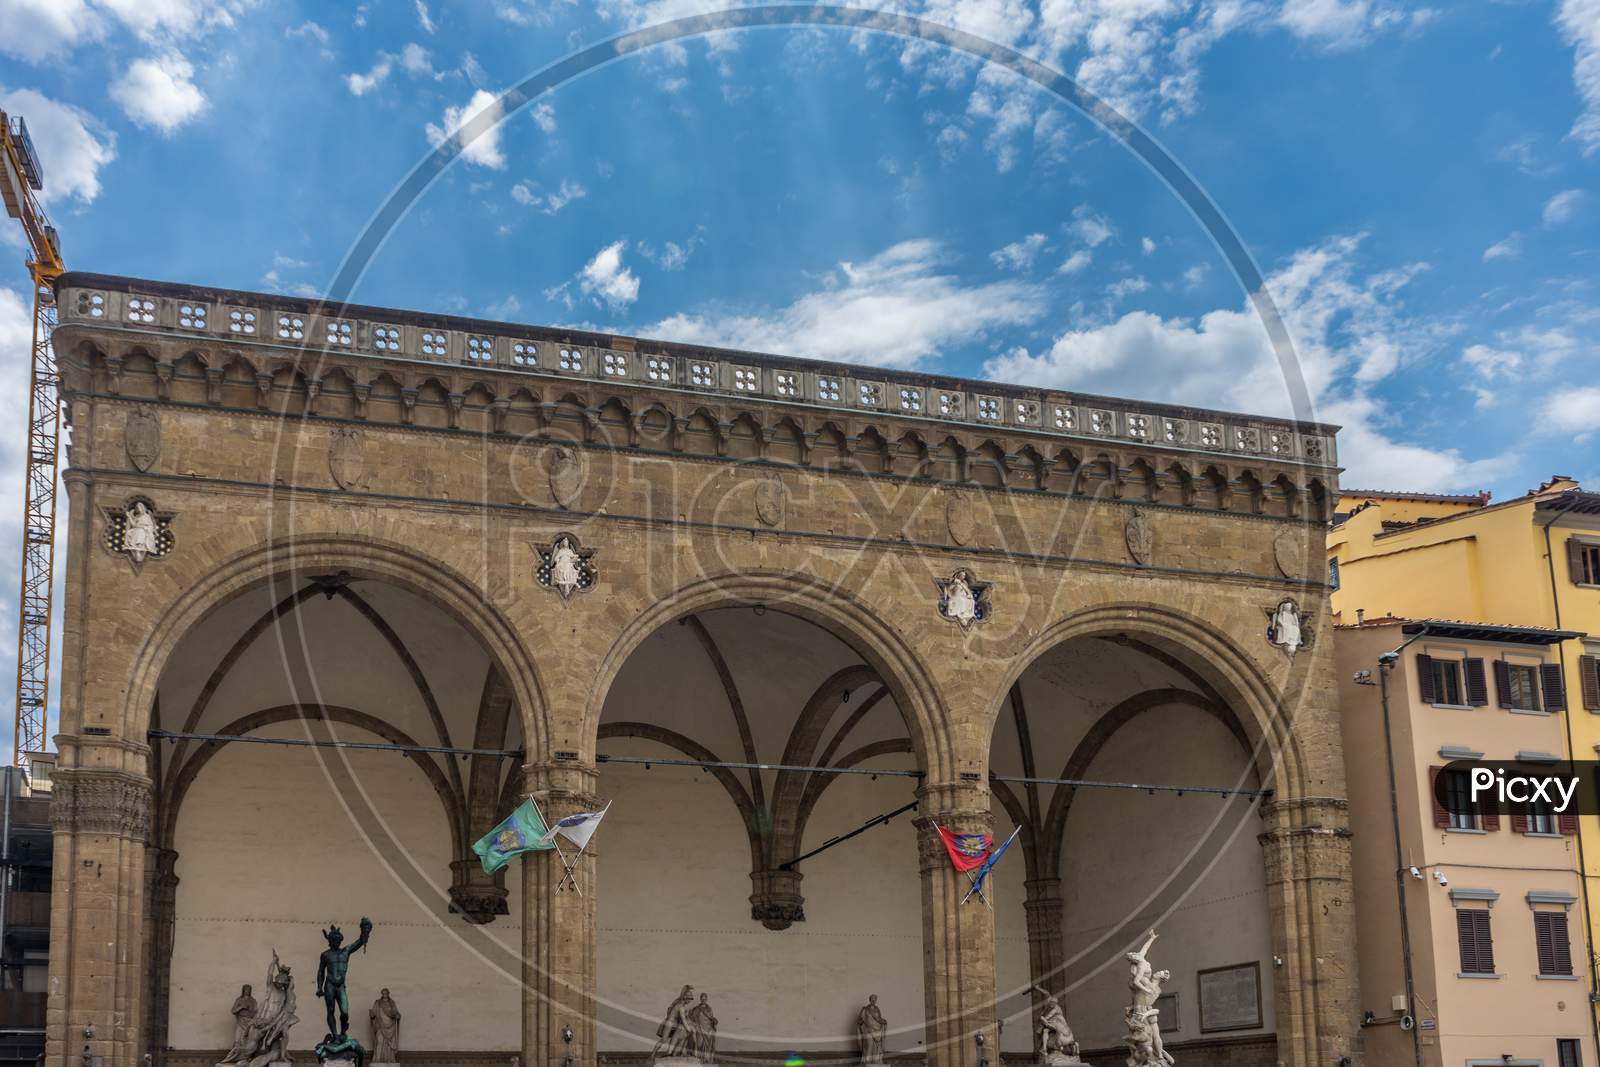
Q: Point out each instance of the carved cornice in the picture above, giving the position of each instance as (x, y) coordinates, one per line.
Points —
(100, 802)
(287, 329)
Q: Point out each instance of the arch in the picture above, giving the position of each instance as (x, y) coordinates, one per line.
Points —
(316, 712)
(298, 558)
(898, 667)
(1237, 680)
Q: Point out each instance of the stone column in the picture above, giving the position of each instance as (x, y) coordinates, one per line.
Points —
(161, 901)
(1306, 848)
(558, 929)
(957, 939)
(1046, 955)
(100, 816)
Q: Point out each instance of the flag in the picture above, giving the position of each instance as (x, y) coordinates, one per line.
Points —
(994, 857)
(521, 831)
(575, 828)
(967, 851)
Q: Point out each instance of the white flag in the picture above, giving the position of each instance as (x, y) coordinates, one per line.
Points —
(577, 828)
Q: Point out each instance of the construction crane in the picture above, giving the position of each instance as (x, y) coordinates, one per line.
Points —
(20, 178)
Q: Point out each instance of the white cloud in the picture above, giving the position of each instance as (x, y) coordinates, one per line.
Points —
(1574, 411)
(1562, 207)
(1092, 229)
(72, 146)
(414, 60)
(160, 92)
(312, 31)
(673, 256)
(1336, 22)
(1350, 330)
(1076, 262)
(544, 115)
(39, 30)
(1019, 255)
(901, 308)
(505, 310)
(606, 278)
(1195, 275)
(1510, 247)
(483, 110)
(362, 84)
(1147, 245)
(565, 194)
(423, 19)
(1580, 26)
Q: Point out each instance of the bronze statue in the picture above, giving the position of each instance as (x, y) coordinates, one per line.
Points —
(331, 971)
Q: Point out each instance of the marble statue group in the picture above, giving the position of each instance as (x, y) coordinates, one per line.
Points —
(689, 1032)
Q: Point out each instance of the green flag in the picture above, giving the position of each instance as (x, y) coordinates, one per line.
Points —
(522, 831)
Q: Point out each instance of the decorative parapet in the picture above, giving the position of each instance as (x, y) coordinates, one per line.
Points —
(165, 313)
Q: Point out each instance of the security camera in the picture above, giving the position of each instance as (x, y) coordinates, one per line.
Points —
(1438, 876)
(1415, 873)
(1388, 657)
(1407, 1022)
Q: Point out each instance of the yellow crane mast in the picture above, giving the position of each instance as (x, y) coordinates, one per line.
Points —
(21, 177)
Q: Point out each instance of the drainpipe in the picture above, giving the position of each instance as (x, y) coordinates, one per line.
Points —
(1385, 663)
(1583, 867)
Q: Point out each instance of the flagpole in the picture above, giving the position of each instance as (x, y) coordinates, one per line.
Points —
(554, 840)
(585, 846)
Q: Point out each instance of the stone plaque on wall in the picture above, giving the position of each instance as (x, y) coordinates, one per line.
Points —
(1230, 997)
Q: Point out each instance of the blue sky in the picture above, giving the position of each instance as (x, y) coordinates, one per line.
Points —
(1418, 182)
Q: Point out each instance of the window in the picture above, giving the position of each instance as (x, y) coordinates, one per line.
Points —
(1446, 682)
(1458, 801)
(480, 349)
(1569, 1052)
(1477, 947)
(1541, 818)
(1452, 682)
(1550, 937)
(1583, 561)
(1589, 675)
(1524, 685)
(1333, 575)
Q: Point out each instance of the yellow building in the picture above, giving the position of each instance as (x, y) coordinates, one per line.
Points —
(1533, 561)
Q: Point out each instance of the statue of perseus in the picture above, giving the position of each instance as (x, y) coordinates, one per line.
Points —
(331, 972)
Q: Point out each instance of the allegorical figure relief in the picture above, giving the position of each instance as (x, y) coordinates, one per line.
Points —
(332, 968)
(385, 1018)
(139, 532)
(962, 606)
(674, 1036)
(870, 1030)
(703, 1031)
(1057, 1045)
(1142, 1017)
(244, 1013)
(564, 567)
(1284, 627)
(266, 1039)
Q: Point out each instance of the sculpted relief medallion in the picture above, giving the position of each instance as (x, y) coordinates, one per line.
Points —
(566, 476)
(138, 531)
(143, 438)
(566, 566)
(963, 599)
(346, 457)
(1140, 537)
(772, 501)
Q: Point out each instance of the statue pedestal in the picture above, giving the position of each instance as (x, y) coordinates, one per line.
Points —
(383, 1063)
(1059, 1059)
(676, 1061)
(341, 1061)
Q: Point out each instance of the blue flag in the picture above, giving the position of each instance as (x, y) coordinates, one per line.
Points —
(988, 864)
(521, 831)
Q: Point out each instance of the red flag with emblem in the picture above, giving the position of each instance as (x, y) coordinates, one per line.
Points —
(967, 851)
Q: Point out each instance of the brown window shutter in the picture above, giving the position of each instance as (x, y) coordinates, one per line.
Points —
(1567, 821)
(1554, 687)
(1502, 683)
(1589, 681)
(1467, 937)
(1425, 678)
(1561, 941)
(1575, 560)
(1544, 941)
(1491, 818)
(1441, 814)
(1477, 684)
(1519, 820)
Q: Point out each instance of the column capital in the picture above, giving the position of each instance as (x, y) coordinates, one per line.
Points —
(101, 802)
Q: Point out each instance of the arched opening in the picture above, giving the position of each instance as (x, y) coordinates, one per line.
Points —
(705, 874)
(258, 845)
(1103, 864)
